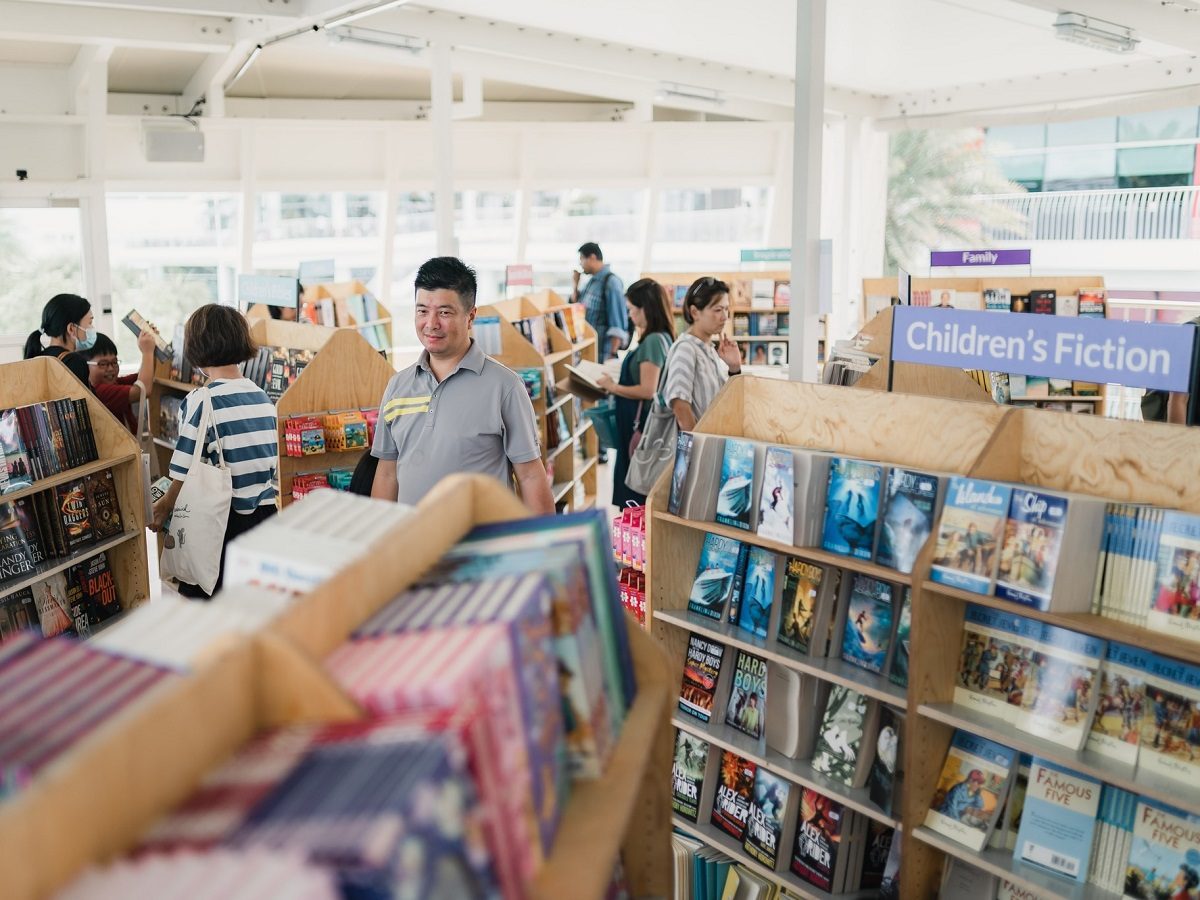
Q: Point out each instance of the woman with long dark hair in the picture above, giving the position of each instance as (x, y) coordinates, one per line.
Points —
(650, 312)
(67, 323)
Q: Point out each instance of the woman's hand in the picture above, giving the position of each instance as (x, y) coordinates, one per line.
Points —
(162, 509)
(727, 349)
(606, 382)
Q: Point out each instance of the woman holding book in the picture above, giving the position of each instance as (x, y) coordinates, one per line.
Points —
(67, 323)
(650, 312)
(695, 369)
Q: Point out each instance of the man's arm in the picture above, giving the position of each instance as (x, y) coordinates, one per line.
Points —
(385, 486)
(535, 486)
(1177, 409)
(618, 316)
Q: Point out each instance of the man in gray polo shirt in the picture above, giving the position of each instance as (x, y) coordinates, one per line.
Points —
(455, 410)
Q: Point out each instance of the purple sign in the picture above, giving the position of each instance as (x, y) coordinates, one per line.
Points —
(954, 258)
(1082, 349)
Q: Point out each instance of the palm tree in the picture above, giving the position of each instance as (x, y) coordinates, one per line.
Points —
(935, 182)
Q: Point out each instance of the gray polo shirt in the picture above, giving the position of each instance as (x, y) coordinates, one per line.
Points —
(479, 419)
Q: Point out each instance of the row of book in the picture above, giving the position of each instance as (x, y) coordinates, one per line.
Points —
(360, 311)
(332, 432)
(756, 294)
(1038, 387)
(702, 873)
(1045, 301)
(755, 323)
(569, 319)
(272, 368)
(42, 440)
(764, 353)
(337, 478)
(73, 601)
(831, 847)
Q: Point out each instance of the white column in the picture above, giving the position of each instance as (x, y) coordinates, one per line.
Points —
(779, 212)
(391, 205)
(89, 82)
(806, 188)
(441, 96)
(249, 165)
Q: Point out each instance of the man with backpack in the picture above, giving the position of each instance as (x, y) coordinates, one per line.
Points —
(604, 299)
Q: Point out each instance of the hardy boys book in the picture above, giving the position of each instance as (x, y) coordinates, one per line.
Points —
(971, 789)
(731, 804)
(714, 576)
(700, 671)
(969, 534)
(765, 823)
(852, 507)
(778, 493)
(691, 756)
(735, 495)
(748, 698)
(868, 633)
(908, 517)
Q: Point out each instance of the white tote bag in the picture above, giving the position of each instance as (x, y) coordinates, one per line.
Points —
(196, 531)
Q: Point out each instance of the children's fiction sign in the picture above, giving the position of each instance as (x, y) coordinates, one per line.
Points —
(1081, 349)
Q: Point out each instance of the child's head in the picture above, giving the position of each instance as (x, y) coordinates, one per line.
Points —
(103, 367)
(217, 336)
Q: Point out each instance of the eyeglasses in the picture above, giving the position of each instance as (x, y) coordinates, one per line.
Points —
(104, 363)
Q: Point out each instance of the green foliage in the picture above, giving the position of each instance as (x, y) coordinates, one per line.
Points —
(26, 282)
(166, 300)
(935, 182)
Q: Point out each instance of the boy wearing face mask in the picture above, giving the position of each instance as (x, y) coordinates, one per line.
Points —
(67, 324)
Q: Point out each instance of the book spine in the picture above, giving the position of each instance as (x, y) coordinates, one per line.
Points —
(739, 582)
(85, 423)
(29, 437)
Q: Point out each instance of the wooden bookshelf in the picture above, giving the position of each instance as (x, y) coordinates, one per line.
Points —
(121, 778)
(41, 379)
(346, 374)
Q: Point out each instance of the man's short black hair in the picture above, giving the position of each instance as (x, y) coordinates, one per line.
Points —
(448, 273)
(103, 347)
(591, 248)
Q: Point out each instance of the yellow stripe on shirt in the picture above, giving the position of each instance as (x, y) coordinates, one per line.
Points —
(408, 401)
(394, 414)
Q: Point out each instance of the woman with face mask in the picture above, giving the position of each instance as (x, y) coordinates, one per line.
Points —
(68, 327)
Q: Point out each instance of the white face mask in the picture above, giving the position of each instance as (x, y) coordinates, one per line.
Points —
(87, 341)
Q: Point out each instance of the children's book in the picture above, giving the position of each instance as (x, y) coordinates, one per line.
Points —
(1029, 556)
(802, 594)
(1117, 724)
(1170, 739)
(1060, 693)
(910, 509)
(890, 888)
(971, 789)
(1164, 860)
(1058, 819)
(818, 855)
(963, 881)
(852, 507)
(995, 664)
(898, 670)
(691, 757)
(1174, 607)
(731, 804)
(878, 847)
(765, 825)
(714, 576)
(701, 669)
(18, 472)
(847, 726)
(885, 768)
(683, 453)
(53, 606)
(969, 534)
(867, 636)
(735, 496)
(775, 508)
(758, 592)
(748, 697)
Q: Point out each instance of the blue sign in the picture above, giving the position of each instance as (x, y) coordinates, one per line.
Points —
(1081, 349)
(273, 290)
(771, 254)
(955, 258)
(316, 271)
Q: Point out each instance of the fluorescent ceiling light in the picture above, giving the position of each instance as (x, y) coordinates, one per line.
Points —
(689, 92)
(1080, 29)
(390, 39)
(365, 11)
(244, 66)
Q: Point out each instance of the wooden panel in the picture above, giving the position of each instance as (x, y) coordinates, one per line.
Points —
(278, 333)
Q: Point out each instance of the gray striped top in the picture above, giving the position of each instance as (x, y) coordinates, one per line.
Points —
(694, 373)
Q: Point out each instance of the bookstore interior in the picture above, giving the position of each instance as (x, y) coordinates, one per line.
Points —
(906, 603)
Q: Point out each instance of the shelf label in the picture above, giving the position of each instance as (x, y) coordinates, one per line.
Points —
(768, 254)
(274, 290)
(1081, 349)
(316, 271)
(957, 258)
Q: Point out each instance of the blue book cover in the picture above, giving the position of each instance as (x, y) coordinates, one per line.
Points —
(735, 496)
(1175, 605)
(969, 534)
(971, 789)
(739, 584)
(765, 825)
(1171, 724)
(1058, 820)
(898, 671)
(683, 455)
(907, 519)
(747, 710)
(1032, 538)
(758, 591)
(1116, 727)
(868, 632)
(1164, 860)
(1059, 692)
(852, 507)
(714, 576)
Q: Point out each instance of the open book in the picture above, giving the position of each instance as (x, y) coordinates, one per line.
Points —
(137, 323)
(588, 373)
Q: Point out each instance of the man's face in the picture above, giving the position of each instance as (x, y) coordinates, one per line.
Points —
(590, 264)
(103, 369)
(443, 326)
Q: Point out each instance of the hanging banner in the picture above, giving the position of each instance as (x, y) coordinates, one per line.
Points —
(1081, 349)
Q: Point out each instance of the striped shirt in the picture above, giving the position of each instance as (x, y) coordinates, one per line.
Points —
(694, 373)
(246, 425)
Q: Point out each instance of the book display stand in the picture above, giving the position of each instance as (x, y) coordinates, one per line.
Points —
(108, 789)
(42, 379)
(571, 451)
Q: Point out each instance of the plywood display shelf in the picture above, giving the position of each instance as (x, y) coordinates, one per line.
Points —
(41, 379)
(113, 785)
(739, 285)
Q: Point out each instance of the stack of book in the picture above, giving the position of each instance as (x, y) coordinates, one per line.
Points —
(275, 368)
(42, 440)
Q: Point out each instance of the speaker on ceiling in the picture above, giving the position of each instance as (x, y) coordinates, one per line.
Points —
(169, 143)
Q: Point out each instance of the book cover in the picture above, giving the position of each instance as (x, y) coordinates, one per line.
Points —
(970, 789)
(748, 697)
(77, 602)
(17, 467)
(758, 592)
(98, 587)
(1033, 535)
(714, 576)
(963, 881)
(1091, 304)
(898, 671)
(1058, 819)
(852, 507)
(1060, 694)
(775, 508)
(885, 768)
(739, 583)
(21, 550)
(72, 505)
(701, 668)
(818, 839)
(867, 636)
(909, 510)
(801, 587)
(18, 612)
(731, 804)
(890, 888)
(840, 738)
(1043, 302)
(1116, 726)
(765, 824)
(683, 455)
(1170, 733)
(969, 534)
(53, 609)
(875, 855)
(1174, 607)
(687, 773)
(103, 506)
(735, 494)
(1164, 859)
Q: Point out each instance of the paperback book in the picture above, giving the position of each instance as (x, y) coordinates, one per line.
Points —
(971, 789)
(802, 593)
(1033, 542)
(1117, 724)
(687, 772)
(910, 509)
(883, 781)
(715, 573)
(758, 592)
(1176, 600)
(1170, 737)
(969, 534)
(876, 849)
(683, 453)
(775, 509)
(765, 825)
(731, 803)
(963, 881)
(818, 858)
(1058, 819)
(1164, 859)
(867, 636)
(701, 668)
(735, 496)
(842, 750)
(852, 507)
(898, 671)
(748, 696)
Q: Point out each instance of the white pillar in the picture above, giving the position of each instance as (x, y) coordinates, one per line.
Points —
(249, 165)
(387, 257)
(806, 189)
(89, 82)
(441, 97)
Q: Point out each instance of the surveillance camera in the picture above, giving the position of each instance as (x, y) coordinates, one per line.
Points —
(22, 174)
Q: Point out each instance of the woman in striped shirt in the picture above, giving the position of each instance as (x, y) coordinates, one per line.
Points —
(216, 341)
(695, 370)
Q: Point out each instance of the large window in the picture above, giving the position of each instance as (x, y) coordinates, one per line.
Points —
(485, 223)
(416, 241)
(559, 221)
(1163, 166)
(39, 257)
(1081, 167)
(1019, 150)
(170, 253)
(705, 228)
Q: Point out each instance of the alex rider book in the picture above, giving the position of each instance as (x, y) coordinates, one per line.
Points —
(747, 708)
(801, 586)
(818, 839)
(700, 671)
(731, 805)
(691, 756)
(765, 824)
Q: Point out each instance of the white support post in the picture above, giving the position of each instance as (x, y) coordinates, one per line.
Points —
(647, 226)
(391, 205)
(524, 201)
(779, 219)
(88, 79)
(249, 198)
(441, 98)
(806, 189)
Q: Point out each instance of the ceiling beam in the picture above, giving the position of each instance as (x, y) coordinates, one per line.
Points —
(61, 24)
(235, 9)
(1164, 23)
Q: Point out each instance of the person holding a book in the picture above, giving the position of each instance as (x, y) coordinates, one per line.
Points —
(695, 369)
(243, 426)
(68, 324)
(455, 410)
(650, 313)
(603, 299)
(120, 393)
